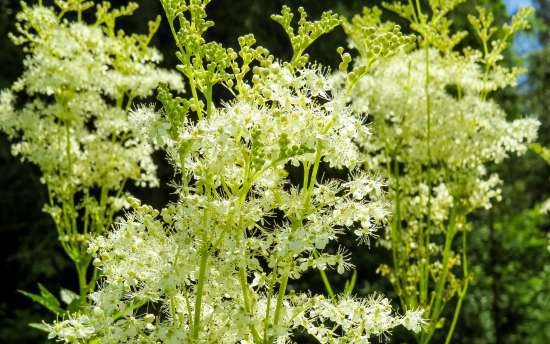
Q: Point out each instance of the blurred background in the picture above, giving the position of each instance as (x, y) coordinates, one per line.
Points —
(509, 301)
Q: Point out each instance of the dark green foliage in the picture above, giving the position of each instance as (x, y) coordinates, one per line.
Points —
(509, 301)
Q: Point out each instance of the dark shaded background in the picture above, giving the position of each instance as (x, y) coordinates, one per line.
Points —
(508, 303)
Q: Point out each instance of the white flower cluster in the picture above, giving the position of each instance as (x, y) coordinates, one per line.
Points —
(214, 266)
(81, 79)
(75, 72)
(434, 132)
(359, 319)
(465, 131)
(71, 129)
(158, 267)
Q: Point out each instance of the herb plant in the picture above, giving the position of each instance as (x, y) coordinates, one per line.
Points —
(68, 114)
(435, 131)
(214, 266)
(409, 123)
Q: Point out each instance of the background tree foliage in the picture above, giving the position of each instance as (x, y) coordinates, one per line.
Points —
(508, 302)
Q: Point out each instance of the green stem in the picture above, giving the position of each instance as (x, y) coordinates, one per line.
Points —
(188, 62)
(419, 10)
(324, 277)
(462, 293)
(280, 299)
(75, 253)
(312, 178)
(242, 268)
(120, 99)
(326, 282)
(309, 190)
(436, 306)
(209, 102)
(415, 17)
(396, 224)
(68, 149)
(484, 92)
(424, 237)
(188, 307)
(129, 102)
(456, 312)
(268, 307)
(93, 280)
(199, 293)
(82, 284)
(247, 307)
(195, 97)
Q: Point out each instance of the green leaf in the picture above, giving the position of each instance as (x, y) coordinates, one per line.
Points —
(45, 298)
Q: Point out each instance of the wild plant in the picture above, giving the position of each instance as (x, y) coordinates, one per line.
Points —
(68, 114)
(412, 115)
(435, 130)
(216, 266)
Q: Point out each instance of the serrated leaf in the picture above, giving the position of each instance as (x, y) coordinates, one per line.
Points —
(46, 294)
(46, 299)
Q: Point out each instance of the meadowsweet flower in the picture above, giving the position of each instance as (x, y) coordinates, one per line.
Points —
(434, 129)
(80, 80)
(214, 266)
(412, 320)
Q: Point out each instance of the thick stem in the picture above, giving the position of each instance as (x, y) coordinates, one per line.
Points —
(195, 97)
(462, 292)
(82, 284)
(209, 102)
(199, 293)
(280, 299)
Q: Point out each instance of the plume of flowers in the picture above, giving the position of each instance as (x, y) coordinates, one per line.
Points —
(216, 265)
(80, 80)
(435, 130)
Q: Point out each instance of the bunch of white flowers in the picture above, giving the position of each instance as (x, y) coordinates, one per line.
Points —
(434, 131)
(214, 267)
(81, 80)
